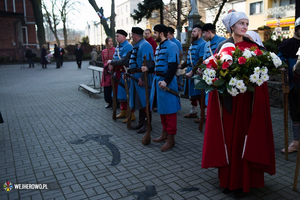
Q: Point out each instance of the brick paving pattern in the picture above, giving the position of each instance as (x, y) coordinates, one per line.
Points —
(45, 115)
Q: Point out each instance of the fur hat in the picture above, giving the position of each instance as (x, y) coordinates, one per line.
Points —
(122, 32)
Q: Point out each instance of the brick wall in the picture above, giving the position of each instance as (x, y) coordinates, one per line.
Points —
(12, 36)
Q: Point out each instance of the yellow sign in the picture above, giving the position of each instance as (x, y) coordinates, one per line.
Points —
(282, 23)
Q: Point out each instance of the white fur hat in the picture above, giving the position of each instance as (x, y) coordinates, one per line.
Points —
(230, 19)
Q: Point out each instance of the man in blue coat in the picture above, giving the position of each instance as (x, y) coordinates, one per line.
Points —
(194, 59)
(213, 40)
(122, 49)
(166, 62)
(179, 45)
(137, 90)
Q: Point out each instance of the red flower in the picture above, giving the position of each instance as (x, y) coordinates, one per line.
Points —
(225, 65)
(241, 48)
(258, 52)
(242, 60)
(209, 66)
(215, 80)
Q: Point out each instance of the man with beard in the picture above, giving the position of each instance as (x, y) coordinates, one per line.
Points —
(194, 59)
(287, 53)
(166, 63)
(137, 91)
(122, 49)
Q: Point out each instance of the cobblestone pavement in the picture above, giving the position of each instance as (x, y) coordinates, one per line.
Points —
(56, 134)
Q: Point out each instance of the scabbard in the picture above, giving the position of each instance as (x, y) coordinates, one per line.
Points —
(135, 79)
(167, 89)
(115, 79)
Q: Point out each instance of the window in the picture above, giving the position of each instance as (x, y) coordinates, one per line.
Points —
(127, 20)
(121, 10)
(122, 22)
(256, 8)
(126, 8)
(286, 2)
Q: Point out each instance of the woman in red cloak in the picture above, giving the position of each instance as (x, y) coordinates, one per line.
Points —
(238, 136)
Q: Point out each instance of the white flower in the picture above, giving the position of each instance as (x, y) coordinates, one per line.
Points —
(247, 54)
(240, 84)
(209, 81)
(277, 62)
(243, 89)
(232, 81)
(265, 77)
(264, 70)
(259, 82)
(253, 54)
(234, 92)
(205, 72)
(254, 77)
(204, 77)
(273, 55)
(257, 70)
(212, 73)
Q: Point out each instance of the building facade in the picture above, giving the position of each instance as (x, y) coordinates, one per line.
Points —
(17, 19)
(123, 19)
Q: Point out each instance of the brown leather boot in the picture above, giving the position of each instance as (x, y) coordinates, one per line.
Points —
(169, 144)
(132, 118)
(162, 138)
(123, 114)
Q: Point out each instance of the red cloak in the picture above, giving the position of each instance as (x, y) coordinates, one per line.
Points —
(240, 144)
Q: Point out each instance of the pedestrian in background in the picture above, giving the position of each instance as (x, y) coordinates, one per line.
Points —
(29, 55)
(78, 54)
(57, 56)
(94, 56)
(44, 61)
(61, 55)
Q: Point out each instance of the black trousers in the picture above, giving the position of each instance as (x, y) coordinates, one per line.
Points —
(57, 62)
(61, 59)
(79, 63)
(294, 103)
(107, 94)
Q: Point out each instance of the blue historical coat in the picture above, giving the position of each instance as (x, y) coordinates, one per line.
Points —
(166, 52)
(140, 49)
(178, 43)
(213, 44)
(122, 48)
(196, 50)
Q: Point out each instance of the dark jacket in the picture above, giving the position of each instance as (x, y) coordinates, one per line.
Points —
(28, 53)
(56, 52)
(78, 53)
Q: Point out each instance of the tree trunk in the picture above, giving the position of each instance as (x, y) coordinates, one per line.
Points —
(162, 13)
(220, 11)
(108, 31)
(38, 15)
(297, 9)
(113, 21)
(65, 33)
(179, 26)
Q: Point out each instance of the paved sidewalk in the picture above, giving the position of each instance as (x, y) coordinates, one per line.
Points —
(54, 134)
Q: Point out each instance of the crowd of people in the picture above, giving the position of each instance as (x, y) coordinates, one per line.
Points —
(238, 137)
